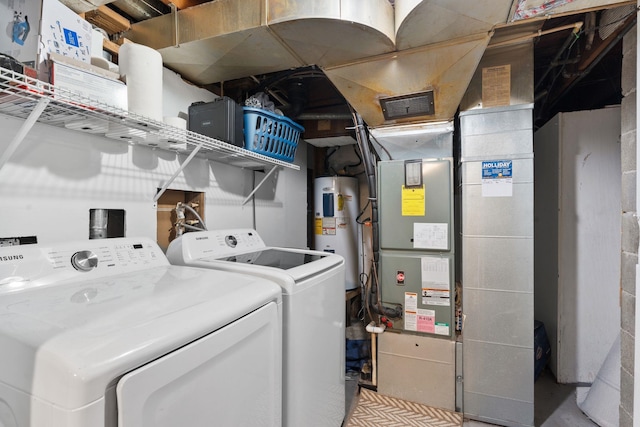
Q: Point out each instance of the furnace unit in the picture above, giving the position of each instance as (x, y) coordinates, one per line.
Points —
(417, 243)
(417, 357)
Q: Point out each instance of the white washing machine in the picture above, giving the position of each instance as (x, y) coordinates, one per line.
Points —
(108, 333)
(314, 315)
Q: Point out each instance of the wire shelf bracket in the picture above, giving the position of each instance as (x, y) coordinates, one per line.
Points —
(24, 130)
(34, 101)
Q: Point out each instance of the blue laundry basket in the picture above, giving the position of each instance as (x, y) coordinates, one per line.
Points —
(271, 134)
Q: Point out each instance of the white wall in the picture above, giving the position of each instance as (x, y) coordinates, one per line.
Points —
(589, 241)
(177, 94)
(585, 146)
(57, 175)
(281, 204)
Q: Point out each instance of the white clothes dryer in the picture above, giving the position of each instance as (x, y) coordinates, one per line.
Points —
(108, 333)
(313, 321)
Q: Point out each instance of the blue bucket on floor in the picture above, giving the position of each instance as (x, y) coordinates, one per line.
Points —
(542, 349)
(357, 353)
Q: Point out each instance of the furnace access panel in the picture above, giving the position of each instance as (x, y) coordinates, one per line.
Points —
(417, 243)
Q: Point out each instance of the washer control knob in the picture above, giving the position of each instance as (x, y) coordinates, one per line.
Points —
(231, 240)
(84, 260)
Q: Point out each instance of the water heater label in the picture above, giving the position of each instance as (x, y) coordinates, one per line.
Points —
(342, 222)
(329, 226)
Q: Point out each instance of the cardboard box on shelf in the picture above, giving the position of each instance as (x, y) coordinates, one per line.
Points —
(38, 28)
(88, 81)
(20, 38)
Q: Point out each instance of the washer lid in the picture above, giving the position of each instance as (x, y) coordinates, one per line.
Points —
(274, 257)
(65, 340)
(246, 250)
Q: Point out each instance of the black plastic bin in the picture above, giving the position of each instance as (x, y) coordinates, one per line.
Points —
(222, 119)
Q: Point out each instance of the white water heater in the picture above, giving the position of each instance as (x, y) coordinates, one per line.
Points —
(337, 205)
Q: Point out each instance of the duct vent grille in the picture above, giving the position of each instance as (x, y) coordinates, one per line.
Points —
(412, 105)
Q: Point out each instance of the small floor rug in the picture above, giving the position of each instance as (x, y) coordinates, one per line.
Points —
(376, 410)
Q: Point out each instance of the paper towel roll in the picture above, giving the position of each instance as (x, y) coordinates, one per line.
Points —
(141, 67)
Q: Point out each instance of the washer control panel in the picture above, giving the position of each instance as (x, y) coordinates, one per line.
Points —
(222, 243)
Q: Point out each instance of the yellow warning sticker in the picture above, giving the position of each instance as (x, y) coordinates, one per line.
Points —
(413, 201)
(318, 226)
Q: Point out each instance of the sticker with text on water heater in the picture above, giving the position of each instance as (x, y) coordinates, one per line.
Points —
(329, 226)
(342, 222)
(497, 178)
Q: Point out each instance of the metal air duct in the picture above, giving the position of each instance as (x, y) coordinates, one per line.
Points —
(371, 51)
(230, 39)
(422, 22)
(445, 69)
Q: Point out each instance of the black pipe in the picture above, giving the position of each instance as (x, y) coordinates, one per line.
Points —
(370, 171)
(372, 300)
(573, 36)
(595, 61)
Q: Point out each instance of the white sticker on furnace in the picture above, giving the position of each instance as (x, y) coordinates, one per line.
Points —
(417, 319)
(431, 235)
(435, 281)
(442, 328)
(410, 311)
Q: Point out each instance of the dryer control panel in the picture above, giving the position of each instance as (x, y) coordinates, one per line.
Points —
(36, 265)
